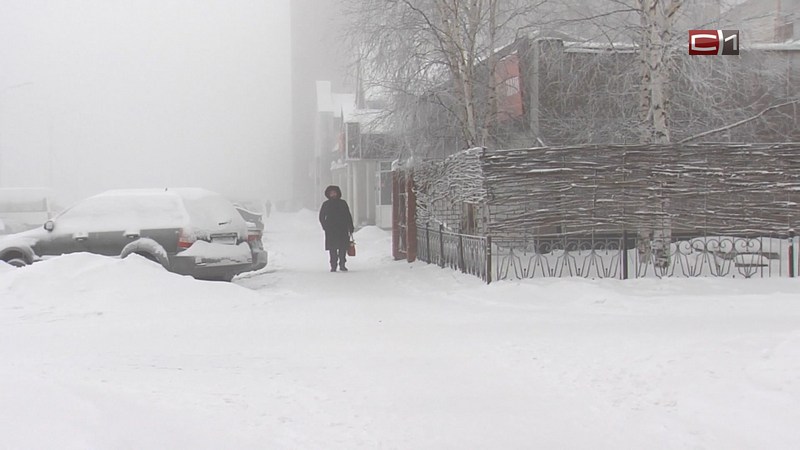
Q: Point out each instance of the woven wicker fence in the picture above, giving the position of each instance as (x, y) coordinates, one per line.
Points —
(654, 199)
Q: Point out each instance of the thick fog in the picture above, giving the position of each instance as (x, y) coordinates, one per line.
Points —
(100, 94)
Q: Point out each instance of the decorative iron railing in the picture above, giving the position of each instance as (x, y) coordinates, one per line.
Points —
(723, 256)
(559, 257)
(620, 257)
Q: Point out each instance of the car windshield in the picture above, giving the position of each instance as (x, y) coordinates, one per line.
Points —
(120, 212)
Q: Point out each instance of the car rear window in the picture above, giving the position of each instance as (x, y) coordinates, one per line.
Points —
(212, 213)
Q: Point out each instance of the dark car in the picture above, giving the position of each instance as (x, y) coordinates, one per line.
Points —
(189, 231)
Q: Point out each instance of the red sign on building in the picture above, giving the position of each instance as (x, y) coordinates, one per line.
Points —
(508, 89)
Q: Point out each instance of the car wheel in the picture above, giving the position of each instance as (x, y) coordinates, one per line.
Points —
(17, 262)
(149, 249)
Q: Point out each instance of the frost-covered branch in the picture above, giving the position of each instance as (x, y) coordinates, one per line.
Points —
(739, 123)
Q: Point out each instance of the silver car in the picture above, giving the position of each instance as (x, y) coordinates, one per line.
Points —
(189, 231)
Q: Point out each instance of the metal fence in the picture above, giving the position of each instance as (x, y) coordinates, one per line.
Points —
(469, 254)
(619, 257)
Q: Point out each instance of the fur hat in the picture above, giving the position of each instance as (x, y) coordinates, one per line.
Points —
(332, 188)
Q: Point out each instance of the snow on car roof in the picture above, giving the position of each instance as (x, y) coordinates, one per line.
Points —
(123, 210)
(203, 210)
(184, 192)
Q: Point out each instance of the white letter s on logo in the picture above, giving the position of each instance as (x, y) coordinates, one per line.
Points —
(693, 44)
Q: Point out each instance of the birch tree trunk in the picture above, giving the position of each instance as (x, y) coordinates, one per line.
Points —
(657, 20)
(460, 21)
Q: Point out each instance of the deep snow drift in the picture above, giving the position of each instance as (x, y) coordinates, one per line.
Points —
(104, 353)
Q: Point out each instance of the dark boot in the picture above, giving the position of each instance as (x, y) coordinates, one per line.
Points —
(334, 257)
(342, 267)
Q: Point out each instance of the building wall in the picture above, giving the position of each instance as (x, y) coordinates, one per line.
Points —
(761, 20)
(316, 55)
(324, 132)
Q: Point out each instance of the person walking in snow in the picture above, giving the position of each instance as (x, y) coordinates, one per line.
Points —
(336, 220)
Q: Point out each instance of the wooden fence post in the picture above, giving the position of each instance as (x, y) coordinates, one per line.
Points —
(396, 215)
(411, 218)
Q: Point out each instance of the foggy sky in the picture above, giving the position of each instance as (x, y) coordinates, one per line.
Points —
(146, 93)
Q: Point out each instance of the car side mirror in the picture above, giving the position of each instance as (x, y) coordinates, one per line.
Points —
(49, 225)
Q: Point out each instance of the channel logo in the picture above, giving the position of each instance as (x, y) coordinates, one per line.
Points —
(713, 42)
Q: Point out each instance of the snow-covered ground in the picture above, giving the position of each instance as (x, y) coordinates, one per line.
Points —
(100, 353)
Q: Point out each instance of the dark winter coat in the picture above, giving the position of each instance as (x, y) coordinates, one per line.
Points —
(336, 220)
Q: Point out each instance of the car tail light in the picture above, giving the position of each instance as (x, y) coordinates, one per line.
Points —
(185, 240)
(253, 236)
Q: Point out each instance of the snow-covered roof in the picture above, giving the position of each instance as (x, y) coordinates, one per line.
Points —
(184, 192)
(595, 47)
(775, 46)
(622, 47)
(538, 35)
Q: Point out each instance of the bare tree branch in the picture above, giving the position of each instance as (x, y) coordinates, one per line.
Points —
(736, 124)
